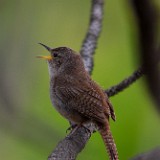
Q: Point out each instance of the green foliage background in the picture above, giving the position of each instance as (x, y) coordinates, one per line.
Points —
(29, 126)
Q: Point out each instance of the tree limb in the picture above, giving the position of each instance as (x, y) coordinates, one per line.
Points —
(90, 42)
(71, 145)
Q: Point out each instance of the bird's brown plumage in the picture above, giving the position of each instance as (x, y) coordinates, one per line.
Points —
(77, 97)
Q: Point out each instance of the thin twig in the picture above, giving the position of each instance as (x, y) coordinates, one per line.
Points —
(125, 83)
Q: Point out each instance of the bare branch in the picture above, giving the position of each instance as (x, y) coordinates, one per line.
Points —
(90, 41)
(68, 148)
(125, 83)
(71, 145)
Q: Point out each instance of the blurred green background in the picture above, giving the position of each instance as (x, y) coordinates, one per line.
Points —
(29, 126)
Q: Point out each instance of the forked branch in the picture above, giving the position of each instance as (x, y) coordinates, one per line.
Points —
(71, 145)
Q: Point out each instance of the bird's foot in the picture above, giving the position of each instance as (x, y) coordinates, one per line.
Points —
(71, 128)
(77, 126)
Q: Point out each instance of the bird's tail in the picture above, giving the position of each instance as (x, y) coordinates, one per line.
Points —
(109, 142)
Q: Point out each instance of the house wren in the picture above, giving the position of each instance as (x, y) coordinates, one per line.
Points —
(76, 96)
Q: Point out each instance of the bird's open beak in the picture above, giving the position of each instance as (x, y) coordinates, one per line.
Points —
(46, 57)
(46, 47)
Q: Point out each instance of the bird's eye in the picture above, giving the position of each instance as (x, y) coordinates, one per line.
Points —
(55, 54)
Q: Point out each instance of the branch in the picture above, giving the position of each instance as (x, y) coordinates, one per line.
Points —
(90, 41)
(125, 83)
(71, 145)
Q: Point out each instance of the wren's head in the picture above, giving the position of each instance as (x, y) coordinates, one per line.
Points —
(62, 60)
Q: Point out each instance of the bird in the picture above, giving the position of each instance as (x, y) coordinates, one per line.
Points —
(76, 96)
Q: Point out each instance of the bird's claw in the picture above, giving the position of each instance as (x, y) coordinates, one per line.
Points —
(72, 127)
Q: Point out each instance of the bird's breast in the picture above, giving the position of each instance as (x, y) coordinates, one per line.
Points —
(56, 99)
(60, 104)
